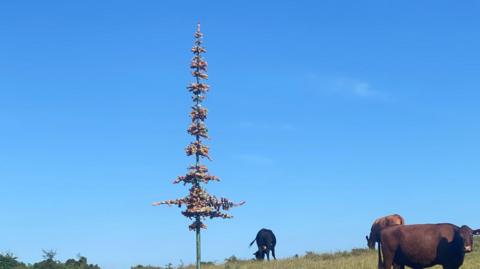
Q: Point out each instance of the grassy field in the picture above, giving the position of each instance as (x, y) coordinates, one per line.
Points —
(355, 259)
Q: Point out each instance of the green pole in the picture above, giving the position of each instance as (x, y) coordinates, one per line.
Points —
(198, 246)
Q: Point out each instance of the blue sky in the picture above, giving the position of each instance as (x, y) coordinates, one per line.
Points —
(323, 115)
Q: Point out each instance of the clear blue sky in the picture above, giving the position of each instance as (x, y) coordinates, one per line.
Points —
(323, 116)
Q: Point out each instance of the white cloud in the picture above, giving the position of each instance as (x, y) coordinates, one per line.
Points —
(342, 86)
(358, 88)
(255, 159)
(283, 126)
(363, 89)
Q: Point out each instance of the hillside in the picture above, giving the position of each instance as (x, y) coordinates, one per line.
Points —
(355, 259)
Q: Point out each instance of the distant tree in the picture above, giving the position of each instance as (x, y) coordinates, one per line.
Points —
(146, 267)
(9, 261)
(82, 263)
(199, 203)
(231, 259)
(72, 263)
(49, 255)
(49, 261)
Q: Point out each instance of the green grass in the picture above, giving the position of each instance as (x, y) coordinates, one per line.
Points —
(355, 259)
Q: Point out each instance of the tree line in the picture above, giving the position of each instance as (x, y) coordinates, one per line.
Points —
(10, 261)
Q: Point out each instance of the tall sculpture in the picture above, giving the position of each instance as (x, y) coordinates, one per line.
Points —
(199, 203)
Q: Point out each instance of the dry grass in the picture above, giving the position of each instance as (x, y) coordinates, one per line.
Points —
(355, 259)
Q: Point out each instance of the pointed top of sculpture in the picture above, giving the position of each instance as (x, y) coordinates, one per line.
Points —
(198, 34)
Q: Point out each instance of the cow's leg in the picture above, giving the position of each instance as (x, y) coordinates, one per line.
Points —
(273, 253)
(387, 263)
(268, 254)
(387, 258)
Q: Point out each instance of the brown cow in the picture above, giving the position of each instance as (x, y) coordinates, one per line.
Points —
(377, 227)
(425, 245)
(379, 224)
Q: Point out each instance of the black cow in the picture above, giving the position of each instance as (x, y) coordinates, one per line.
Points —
(425, 245)
(266, 242)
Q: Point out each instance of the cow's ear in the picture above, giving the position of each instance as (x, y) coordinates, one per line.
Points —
(476, 232)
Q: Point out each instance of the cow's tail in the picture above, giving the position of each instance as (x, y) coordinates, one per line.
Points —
(253, 242)
(380, 261)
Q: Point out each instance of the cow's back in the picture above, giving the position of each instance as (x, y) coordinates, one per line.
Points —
(383, 222)
(266, 237)
(389, 220)
(395, 219)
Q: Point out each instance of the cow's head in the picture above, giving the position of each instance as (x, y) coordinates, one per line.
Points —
(466, 233)
(259, 255)
(371, 241)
